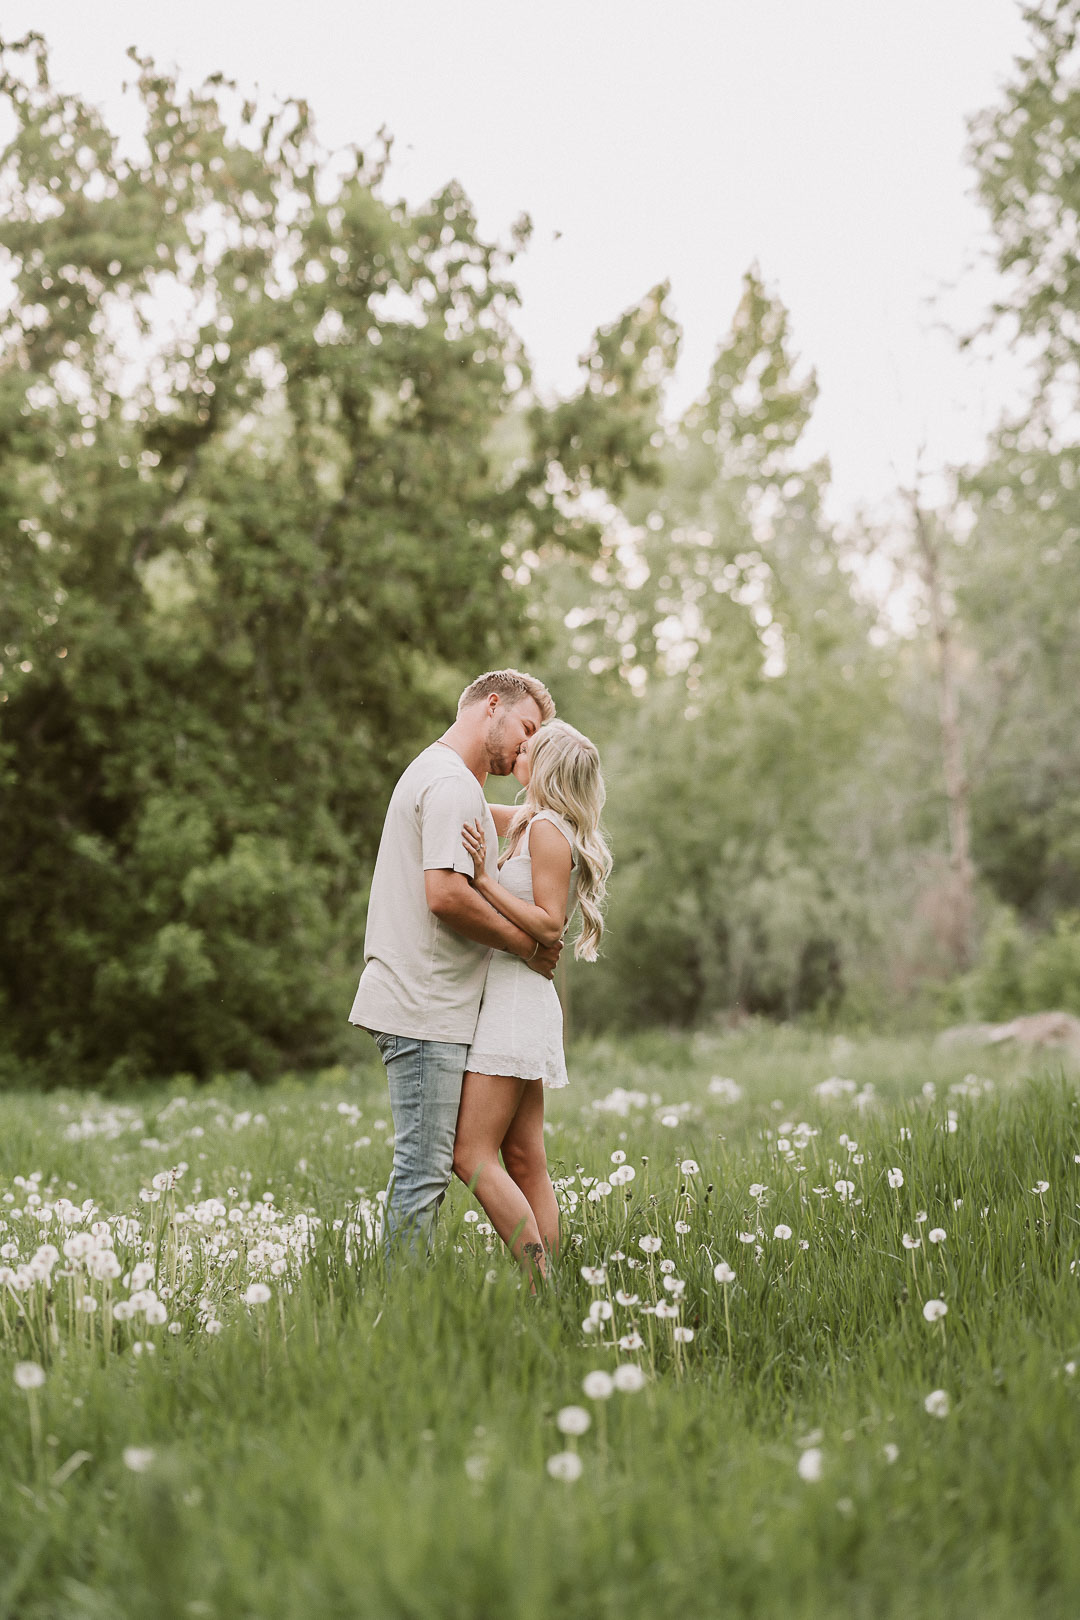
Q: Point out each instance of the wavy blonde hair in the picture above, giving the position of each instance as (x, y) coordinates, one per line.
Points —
(565, 777)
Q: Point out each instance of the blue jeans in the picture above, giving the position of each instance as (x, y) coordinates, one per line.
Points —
(425, 1092)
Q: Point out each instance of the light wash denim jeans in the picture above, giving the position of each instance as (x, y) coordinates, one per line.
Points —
(425, 1091)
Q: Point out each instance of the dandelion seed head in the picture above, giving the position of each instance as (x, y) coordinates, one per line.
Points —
(572, 1420)
(811, 1465)
(28, 1375)
(723, 1273)
(565, 1466)
(598, 1385)
(138, 1458)
(937, 1403)
(782, 1232)
(628, 1377)
(934, 1310)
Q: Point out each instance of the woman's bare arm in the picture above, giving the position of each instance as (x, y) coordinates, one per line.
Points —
(551, 862)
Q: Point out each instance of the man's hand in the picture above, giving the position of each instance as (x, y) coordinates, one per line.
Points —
(546, 960)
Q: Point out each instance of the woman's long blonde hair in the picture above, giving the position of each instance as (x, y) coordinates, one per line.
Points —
(565, 777)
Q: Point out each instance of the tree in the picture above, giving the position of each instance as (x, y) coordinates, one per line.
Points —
(257, 534)
(1026, 151)
(724, 600)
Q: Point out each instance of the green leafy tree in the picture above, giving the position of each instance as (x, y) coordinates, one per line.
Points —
(1018, 578)
(256, 532)
(724, 599)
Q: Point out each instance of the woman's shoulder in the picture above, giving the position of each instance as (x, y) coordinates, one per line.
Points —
(552, 818)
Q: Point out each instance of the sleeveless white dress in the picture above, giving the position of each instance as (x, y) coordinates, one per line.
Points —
(520, 1027)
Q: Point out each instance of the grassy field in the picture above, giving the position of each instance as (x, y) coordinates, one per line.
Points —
(214, 1402)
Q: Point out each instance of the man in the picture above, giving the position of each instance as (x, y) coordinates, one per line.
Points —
(429, 936)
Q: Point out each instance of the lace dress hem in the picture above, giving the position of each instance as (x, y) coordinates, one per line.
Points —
(514, 1067)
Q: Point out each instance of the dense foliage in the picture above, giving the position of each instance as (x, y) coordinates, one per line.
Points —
(256, 523)
(274, 483)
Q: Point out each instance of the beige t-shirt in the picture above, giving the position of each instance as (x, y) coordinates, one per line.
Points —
(420, 978)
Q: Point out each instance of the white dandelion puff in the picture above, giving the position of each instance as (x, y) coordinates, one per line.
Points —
(572, 1420)
(28, 1375)
(811, 1465)
(937, 1403)
(598, 1385)
(565, 1466)
(934, 1310)
(628, 1378)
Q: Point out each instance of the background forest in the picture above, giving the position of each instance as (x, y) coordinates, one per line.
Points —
(274, 484)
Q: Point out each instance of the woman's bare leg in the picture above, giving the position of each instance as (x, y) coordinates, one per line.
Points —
(525, 1157)
(488, 1104)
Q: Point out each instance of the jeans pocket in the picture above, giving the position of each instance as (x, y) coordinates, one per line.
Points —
(386, 1044)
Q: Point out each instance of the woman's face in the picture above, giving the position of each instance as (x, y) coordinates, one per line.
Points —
(522, 764)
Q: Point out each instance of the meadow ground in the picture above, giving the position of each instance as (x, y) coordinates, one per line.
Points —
(811, 1350)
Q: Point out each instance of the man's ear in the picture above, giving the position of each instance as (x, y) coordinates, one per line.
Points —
(492, 703)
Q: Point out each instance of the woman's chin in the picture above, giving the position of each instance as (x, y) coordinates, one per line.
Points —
(522, 773)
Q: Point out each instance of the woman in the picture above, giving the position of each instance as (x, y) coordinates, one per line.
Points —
(555, 861)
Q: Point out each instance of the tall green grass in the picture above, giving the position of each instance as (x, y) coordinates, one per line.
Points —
(359, 1445)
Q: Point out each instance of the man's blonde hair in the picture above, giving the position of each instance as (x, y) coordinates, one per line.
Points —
(513, 687)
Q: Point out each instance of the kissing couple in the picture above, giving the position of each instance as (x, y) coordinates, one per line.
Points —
(460, 953)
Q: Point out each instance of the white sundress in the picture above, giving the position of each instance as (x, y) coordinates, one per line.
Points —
(520, 1028)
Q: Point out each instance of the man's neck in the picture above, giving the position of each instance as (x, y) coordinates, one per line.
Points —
(469, 749)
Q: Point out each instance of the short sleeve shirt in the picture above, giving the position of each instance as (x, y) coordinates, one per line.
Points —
(420, 978)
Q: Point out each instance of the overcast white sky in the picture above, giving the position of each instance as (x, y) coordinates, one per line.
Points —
(822, 138)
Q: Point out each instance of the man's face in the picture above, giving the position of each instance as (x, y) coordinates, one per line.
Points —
(509, 729)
